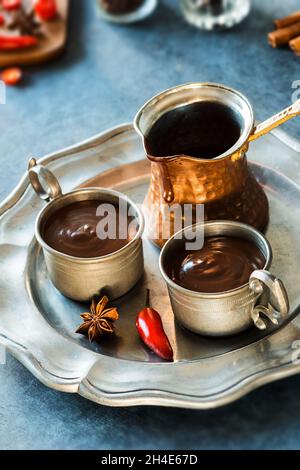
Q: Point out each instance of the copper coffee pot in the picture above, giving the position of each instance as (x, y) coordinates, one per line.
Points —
(224, 184)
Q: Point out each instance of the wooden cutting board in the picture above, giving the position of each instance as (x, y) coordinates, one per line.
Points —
(50, 45)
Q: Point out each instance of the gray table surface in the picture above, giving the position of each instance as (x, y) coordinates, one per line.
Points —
(106, 73)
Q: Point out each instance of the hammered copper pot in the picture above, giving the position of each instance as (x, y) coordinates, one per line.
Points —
(225, 184)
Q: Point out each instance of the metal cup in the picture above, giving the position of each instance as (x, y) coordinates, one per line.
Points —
(82, 278)
(230, 312)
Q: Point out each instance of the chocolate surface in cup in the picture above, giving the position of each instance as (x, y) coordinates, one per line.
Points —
(72, 230)
(224, 263)
(121, 6)
(203, 130)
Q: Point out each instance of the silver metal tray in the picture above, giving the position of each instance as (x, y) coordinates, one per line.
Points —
(37, 323)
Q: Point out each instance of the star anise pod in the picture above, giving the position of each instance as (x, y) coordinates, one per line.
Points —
(24, 21)
(99, 320)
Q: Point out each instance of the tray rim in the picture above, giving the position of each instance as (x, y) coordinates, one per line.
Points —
(133, 397)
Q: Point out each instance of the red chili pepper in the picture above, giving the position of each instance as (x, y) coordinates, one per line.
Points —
(11, 4)
(2, 20)
(151, 331)
(17, 42)
(11, 76)
(45, 9)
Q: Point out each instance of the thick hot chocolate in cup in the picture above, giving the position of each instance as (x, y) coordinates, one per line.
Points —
(224, 263)
(72, 230)
(121, 6)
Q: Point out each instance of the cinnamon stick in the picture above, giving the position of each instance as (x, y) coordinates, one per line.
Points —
(284, 35)
(295, 45)
(287, 20)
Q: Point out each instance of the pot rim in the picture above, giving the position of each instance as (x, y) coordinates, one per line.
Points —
(213, 295)
(100, 192)
(237, 147)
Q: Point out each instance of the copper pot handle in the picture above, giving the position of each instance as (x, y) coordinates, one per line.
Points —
(275, 121)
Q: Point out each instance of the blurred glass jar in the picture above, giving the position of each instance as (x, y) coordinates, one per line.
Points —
(214, 14)
(126, 11)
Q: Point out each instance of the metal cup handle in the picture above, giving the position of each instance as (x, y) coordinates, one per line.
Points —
(43, 181)
(273, 299)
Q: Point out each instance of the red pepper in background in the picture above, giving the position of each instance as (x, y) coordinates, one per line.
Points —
(11, 76)
(151, 331)
(45, 9)
(11, 4)
(16, 42)
(2, 20)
